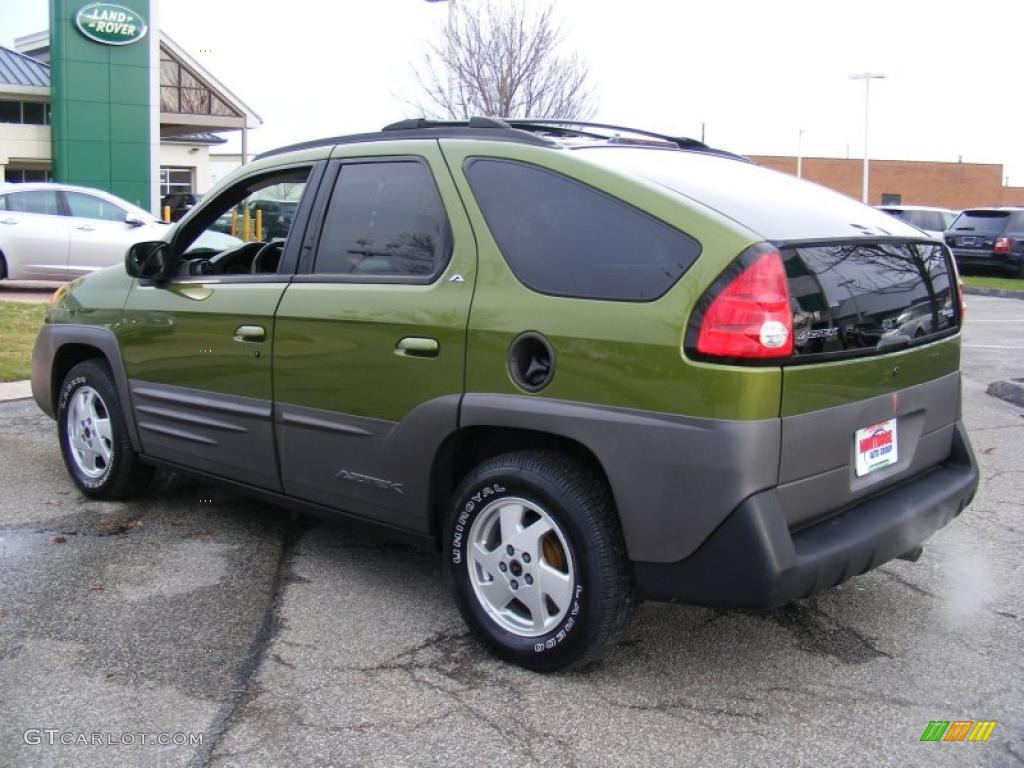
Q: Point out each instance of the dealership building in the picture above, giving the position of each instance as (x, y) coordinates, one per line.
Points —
(105, 99)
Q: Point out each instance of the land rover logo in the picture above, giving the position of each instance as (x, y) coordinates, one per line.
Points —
(110, 24)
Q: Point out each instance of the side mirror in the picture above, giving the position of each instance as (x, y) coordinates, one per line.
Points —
(148, 260)
(134, 221)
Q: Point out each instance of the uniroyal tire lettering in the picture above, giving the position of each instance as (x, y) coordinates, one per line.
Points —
(561, 634)
(460, 524)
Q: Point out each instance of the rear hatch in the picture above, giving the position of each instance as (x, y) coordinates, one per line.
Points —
(871, 393)
(870, 373)
(977, 230)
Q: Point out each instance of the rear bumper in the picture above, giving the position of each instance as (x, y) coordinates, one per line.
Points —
(979, 258)
(754, 560)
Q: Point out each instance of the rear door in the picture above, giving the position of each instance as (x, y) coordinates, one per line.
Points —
(369, 340)
(873, 392)
(34, 235)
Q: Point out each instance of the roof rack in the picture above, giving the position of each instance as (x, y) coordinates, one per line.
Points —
(584, 128)
(531, 130)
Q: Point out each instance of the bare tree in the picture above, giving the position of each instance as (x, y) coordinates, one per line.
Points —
(498, 59)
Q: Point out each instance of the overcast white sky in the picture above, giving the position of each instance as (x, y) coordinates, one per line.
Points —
(753, 72)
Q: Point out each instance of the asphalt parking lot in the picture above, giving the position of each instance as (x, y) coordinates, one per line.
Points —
(282, 640)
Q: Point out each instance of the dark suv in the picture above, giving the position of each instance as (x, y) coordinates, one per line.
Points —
(989, 237)
(591, 365)
(180, 203)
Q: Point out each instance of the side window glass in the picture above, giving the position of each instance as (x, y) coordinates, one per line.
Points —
(42, 201)
(89, 207)
(563, 238)
(384, 218)
(244, 229)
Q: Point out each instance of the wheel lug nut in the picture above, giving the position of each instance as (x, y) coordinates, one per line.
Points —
(502, 567)
(510, 549)
(529, 579)
(514, 584)
(526, 557)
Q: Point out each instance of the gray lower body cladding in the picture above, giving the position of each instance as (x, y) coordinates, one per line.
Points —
(755, 560)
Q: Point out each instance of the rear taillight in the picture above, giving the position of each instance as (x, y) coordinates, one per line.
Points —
(1003, 245)
(746, 313)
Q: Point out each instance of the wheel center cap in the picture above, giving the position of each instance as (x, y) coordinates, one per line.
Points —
(516, 568)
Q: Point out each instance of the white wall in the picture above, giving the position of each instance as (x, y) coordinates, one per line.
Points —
(24, 144)
(223, 164)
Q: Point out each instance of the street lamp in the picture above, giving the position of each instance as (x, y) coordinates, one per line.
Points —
(799, 153)
(867, 77)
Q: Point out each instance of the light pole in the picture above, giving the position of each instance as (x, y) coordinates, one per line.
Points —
(867, 77)
(799, 153)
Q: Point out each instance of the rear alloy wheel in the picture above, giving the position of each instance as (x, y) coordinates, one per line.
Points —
(93, 438)
(537, 560)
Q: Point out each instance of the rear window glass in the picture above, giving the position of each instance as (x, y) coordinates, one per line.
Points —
(860, 297)
(931, 220)
(981, 222)
(564, 238)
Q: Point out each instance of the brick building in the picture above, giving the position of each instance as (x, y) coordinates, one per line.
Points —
(908, 182)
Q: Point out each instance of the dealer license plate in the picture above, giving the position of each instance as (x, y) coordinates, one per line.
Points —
(875, 447)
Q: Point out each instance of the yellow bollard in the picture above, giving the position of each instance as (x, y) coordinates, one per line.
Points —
(234, 223)
(246, 226)
(259, 224)
(167, 214)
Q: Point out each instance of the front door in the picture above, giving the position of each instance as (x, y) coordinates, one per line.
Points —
(369, 340)
(98, 234)
(198, 349)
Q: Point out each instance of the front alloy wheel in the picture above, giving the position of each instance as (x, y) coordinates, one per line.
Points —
(93, 438)
(89, 434)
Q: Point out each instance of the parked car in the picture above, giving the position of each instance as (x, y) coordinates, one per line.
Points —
(589, 371)
(60, 232)
(932, 221)
(180, 203)
(989, 237)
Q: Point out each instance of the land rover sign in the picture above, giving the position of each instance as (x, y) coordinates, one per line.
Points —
(110, 24)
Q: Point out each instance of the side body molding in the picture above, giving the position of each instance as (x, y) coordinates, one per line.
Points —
(675, 478)
(51, 338)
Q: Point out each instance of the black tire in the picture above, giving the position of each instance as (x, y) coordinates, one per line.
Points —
(576, 498)
(124, 475)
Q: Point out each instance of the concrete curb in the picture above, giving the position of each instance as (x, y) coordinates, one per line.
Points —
(15, 390)
(1010, 391)
(1000, 292)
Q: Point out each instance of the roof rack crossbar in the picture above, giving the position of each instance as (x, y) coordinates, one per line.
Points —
(540, 122)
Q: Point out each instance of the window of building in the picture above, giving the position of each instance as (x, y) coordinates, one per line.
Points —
(19, 175)
(174, 179)
(183, 92)
(384, 218)
(25, 112)
(892, 198)
(90, 207)
(563, 238)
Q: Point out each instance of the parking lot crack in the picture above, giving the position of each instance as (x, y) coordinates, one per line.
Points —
(243, 690)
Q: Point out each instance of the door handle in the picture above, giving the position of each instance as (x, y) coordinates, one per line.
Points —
(250, 333)
(415, 346)
(9, 221)
(86, 228)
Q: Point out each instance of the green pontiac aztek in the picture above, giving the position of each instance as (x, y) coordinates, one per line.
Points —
(592, 365)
